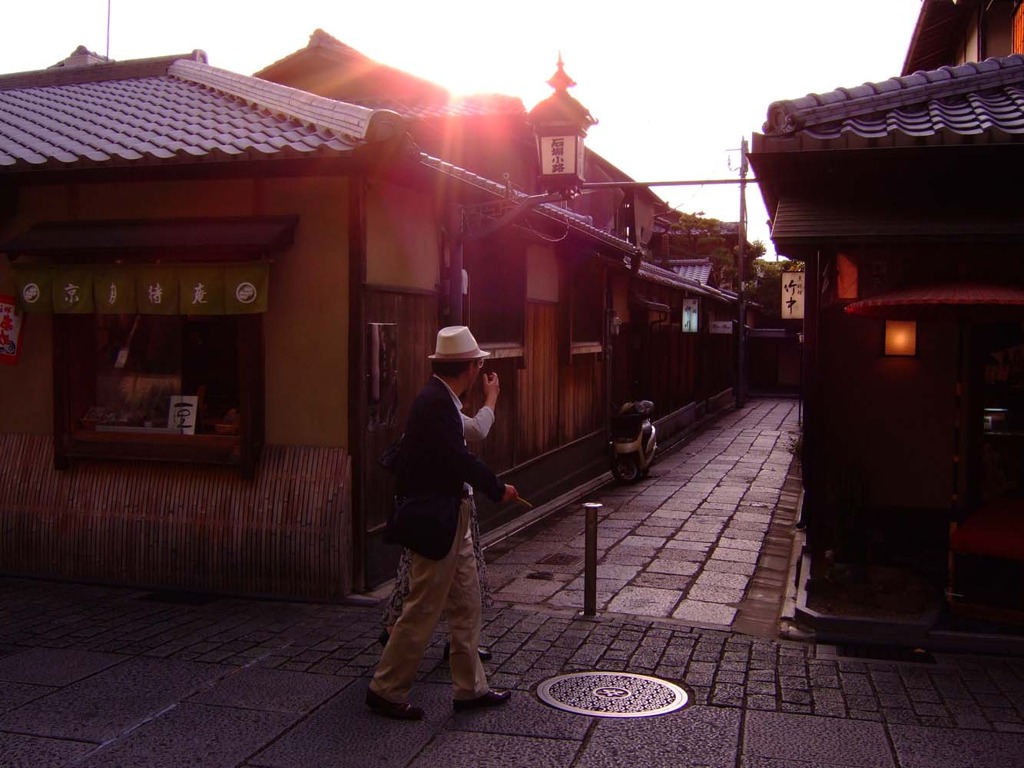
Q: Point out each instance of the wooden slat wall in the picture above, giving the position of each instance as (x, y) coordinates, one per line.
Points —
(583, 398)
(558, 403)
(285, 533)
(538, 398)
(416, 318)
(543, 405)
(672, 367)
(1018, 30)
(678, 369)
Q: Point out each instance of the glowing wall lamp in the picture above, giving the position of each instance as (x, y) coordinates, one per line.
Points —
(900, 338)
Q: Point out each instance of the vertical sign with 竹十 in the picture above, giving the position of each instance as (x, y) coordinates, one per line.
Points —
(792, 295)
(691, 314)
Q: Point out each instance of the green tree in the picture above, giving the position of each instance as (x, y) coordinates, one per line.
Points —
(695, 236)
(765, 284)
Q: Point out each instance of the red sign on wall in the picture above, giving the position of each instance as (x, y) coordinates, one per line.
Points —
(10, 331)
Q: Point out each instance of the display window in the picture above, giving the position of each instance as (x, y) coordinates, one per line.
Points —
(159, 387)
(157, 333)
(169, 373)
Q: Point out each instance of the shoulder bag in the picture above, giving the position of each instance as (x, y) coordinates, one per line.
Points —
(425, 523)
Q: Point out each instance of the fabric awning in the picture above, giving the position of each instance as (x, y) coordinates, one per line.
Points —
(236, 288)
(208, 266)
(969, 300)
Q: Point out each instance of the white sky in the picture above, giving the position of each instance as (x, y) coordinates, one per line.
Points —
(674, 84)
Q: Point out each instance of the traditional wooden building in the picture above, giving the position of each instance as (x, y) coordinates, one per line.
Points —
(219, 294)
(594, 324)
(894, 195)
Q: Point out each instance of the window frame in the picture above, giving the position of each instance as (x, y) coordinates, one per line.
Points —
(74, 343)
(587, 305)
(199, 241)
(496, 297)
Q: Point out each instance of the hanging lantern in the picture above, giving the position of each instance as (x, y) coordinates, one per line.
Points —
(560, 125)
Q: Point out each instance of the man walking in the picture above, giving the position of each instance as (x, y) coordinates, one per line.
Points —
(434, 458)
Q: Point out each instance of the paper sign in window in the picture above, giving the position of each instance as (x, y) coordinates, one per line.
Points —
(182, 413)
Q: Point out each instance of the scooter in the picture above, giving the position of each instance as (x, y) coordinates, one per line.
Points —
(633, 442)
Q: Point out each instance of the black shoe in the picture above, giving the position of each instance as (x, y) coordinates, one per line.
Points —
(489, 699)
(383, 637)
(483, 653)
(390, 709)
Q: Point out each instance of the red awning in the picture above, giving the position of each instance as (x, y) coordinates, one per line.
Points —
(971, 300)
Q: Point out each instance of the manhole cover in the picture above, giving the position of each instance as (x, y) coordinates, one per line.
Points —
(612, 694)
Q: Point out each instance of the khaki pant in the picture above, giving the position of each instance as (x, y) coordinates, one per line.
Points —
(449, 585)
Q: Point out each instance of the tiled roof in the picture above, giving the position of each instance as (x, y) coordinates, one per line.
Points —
(324, 51)
(498, 191)
(577, 223)
(181, 110)
(694, 269)
(358, 79)
(662, 276)
(945, 105)
(476, 105)
(165, 111)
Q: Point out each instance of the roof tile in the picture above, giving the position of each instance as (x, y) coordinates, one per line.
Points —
(191, 111)
(410, 96)
(947, 104)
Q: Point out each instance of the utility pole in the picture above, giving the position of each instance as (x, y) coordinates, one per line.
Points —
(741, 257)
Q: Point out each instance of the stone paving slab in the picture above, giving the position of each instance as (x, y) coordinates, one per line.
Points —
(694, 737)
(489, 750)
(704, 614)
(818, 740)
(13, 695)
(344, 733)
(645, 601)
(919, 747)
(220, 735)
(271, 689)
(54, 668)
(20, 751)
(99, 708)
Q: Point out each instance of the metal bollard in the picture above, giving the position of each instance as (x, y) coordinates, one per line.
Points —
(590, 559)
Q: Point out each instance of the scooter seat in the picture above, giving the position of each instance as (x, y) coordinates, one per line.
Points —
(626, 426)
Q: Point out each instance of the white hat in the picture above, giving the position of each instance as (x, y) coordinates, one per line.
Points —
(456, 343)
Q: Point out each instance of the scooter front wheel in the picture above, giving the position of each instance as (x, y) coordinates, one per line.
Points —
(626, 469)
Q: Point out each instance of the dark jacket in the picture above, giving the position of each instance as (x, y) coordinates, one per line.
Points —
(434, 456)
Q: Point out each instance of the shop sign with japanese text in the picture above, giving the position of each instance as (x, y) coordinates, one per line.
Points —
(792, 295)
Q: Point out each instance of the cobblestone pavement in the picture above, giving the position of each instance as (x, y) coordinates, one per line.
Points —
(104, 676)
(685, 543)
